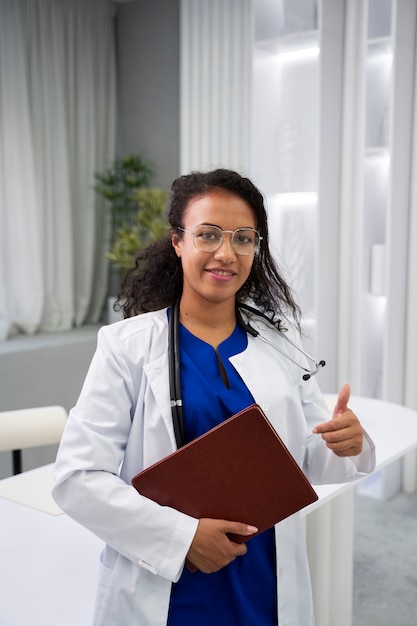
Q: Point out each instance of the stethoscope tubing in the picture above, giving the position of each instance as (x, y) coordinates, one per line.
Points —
(175, 376)
(309, 373)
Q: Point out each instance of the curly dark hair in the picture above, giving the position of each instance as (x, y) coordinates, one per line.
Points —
(156, 279)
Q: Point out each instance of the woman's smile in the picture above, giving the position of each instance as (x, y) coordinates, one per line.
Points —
(221, 273)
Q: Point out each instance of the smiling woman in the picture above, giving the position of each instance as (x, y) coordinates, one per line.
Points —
(182, 296)
(202, 204)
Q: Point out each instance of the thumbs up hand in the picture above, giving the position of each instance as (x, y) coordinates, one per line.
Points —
(343, 433)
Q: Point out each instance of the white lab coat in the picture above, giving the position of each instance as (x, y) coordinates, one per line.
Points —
(122, 423)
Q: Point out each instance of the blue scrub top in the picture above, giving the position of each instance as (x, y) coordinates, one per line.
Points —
(245, 592)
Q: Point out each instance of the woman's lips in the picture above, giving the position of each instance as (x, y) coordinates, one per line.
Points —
(222, 274)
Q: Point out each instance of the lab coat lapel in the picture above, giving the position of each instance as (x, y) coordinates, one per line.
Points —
(158, 379)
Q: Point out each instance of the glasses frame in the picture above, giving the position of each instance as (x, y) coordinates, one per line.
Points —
(232, 232)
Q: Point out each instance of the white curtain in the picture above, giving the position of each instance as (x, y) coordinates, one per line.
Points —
(57, 127)
(215, 70)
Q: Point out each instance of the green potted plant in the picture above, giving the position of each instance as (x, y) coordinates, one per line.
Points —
(136, 211)
(150, 224)
(118, 185)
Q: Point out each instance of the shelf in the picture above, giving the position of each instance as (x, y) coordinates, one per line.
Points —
(284, 19)
(288, 44)
(378, 152)
(379, 46)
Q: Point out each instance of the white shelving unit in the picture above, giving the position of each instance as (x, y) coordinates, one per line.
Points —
(377, 167)
(285, 142)
(382, 107)
(331, 126)
(296, 106)
(285, 154)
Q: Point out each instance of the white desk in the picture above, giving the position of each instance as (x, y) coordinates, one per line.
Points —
(48, 563)
(330, 520)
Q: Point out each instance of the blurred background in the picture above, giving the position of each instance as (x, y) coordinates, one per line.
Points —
(314, 100)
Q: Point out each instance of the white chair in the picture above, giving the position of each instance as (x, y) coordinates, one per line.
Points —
(30, 428)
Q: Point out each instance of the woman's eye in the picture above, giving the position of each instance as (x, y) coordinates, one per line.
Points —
(242, 239)
(208, 236)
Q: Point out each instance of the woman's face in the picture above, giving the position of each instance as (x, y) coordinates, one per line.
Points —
(214, 276)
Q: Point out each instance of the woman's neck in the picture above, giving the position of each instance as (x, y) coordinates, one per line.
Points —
(212, 323)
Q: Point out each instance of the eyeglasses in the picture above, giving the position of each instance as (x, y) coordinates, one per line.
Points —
(245, 241)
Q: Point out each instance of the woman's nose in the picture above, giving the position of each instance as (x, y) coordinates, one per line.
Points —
(226, 250)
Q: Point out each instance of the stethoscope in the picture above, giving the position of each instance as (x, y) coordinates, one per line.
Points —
(174, 359)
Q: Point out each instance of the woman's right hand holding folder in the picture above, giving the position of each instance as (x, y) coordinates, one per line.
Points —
(212, 549)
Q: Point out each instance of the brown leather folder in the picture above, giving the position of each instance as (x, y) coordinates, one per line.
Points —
(239, 471)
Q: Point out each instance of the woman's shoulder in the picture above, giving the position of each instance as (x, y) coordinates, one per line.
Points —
(131, 326)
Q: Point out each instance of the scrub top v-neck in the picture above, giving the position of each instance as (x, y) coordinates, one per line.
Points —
(245, 592)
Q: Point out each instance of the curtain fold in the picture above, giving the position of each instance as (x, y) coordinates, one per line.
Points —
(57, 128)
(215, 66)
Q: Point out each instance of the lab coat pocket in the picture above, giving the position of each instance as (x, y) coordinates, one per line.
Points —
(128, 595)
(103, 585)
